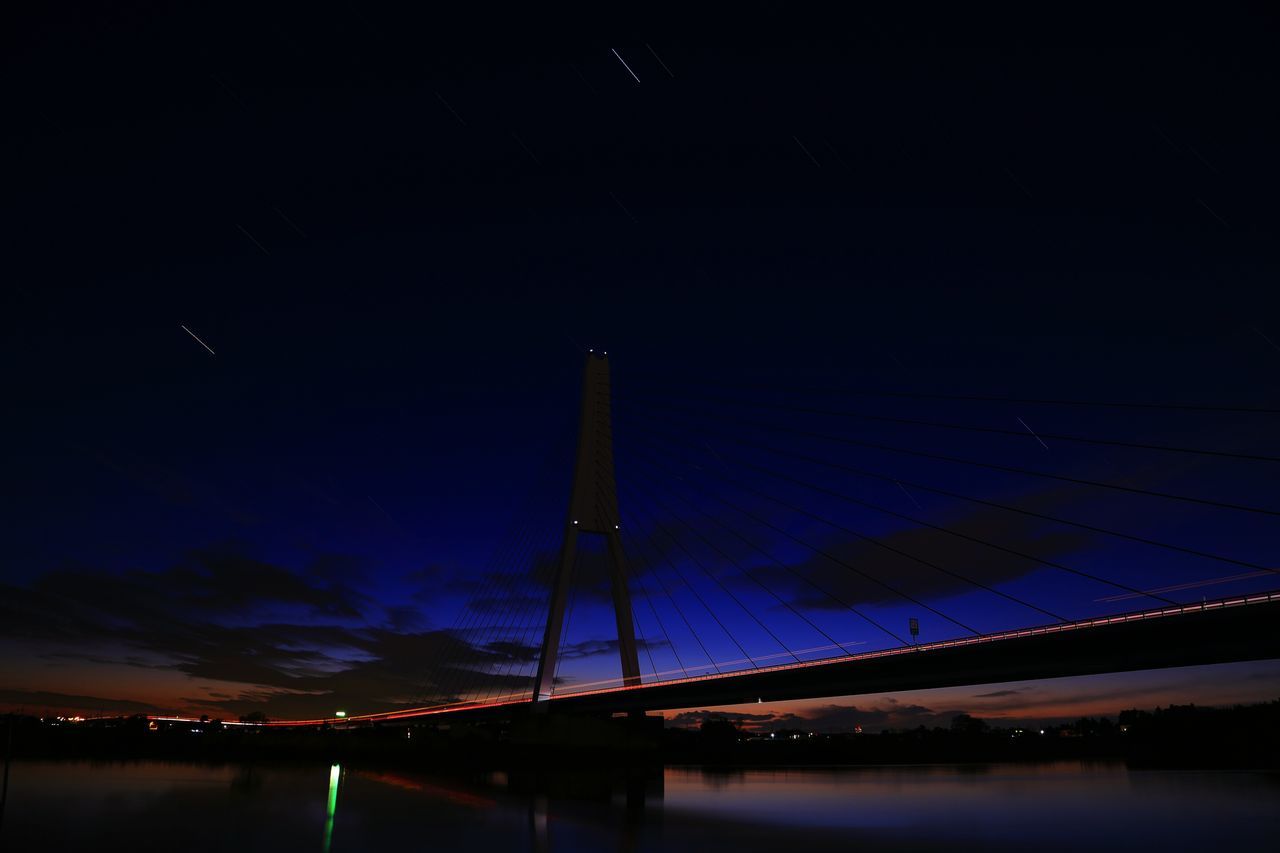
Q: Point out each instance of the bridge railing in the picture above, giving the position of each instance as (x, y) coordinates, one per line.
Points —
(615, 685)
(1134, 616)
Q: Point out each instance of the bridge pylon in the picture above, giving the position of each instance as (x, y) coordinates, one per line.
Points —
(593, 508)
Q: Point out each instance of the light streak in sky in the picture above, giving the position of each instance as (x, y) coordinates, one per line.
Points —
(819, 165)
(450, 108)
(1264, 337)
(253, 238)
(1189, 585)
(626, 66)
(1033, 432)
(660, 62)
(197, 337)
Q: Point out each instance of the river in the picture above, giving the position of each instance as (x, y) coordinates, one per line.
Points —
(144, 806)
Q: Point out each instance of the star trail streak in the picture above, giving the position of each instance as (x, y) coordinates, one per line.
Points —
(197, 339)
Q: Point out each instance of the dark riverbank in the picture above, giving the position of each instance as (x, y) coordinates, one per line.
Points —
(1178, 736)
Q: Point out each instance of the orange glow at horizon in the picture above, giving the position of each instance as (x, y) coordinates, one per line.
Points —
(1045, 700)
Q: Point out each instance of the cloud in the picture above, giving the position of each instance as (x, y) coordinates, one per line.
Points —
(693, 719)
(272, 639)
(607, 647)
(997, 694)
(892, 715)
(828, 718)
(499, 603)
(36, 701)
(514, 651)
(210, 584)
(901, 558)
(402, 618)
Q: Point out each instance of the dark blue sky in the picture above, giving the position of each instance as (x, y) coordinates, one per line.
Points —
(399, 233)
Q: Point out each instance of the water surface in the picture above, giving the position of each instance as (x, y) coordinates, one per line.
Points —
(141, 806)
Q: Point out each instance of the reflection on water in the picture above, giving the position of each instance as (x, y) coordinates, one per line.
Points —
(143, 806)
(335, 774)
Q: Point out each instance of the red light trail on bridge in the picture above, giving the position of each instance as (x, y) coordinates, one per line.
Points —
(924, 648)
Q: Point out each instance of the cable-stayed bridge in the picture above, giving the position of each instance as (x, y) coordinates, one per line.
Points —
(759, 543)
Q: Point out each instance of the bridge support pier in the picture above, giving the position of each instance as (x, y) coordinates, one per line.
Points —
(593, 508)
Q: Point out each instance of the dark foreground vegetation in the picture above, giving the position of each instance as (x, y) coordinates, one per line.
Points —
(1177, 736)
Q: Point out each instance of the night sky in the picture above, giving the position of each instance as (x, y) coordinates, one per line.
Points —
(299, 296)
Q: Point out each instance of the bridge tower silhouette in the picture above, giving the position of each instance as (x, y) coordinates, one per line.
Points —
(593, 508)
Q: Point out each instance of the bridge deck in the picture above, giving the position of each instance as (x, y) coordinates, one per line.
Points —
(1219, 631)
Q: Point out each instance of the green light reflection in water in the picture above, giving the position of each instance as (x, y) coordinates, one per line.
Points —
(335, 773)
